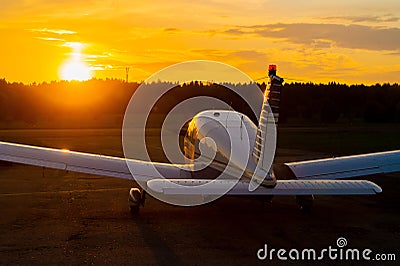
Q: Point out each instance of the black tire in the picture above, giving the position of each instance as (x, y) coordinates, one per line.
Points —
(135, 200)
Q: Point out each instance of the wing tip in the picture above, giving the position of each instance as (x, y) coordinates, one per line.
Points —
(377, 189)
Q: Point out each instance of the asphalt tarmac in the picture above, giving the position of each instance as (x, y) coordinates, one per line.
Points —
(55, 217)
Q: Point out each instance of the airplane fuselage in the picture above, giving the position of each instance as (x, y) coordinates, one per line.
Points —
(217, 137)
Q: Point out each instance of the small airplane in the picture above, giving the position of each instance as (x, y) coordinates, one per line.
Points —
(314, 177)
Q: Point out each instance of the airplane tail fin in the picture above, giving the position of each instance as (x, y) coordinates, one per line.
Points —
(269, 116)
(273, 91)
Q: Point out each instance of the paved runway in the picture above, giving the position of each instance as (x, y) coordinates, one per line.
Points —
(68, 218)
(54, 217)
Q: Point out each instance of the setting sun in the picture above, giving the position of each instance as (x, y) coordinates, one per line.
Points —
(44, 40)
(75, 70)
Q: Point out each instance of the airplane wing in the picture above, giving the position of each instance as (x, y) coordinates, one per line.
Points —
(347, 166)
(86, 163)
(327, 169)
(283, 187)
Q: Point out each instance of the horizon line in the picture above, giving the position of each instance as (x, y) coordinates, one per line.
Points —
(292, 81)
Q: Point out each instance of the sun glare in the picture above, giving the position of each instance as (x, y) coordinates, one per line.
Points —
(75, 70)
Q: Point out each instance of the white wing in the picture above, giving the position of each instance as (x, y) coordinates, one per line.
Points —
(144, 172)
(283, 187)
(86, 163)
(347, 166)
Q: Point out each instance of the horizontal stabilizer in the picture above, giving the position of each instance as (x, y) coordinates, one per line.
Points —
(283, 187)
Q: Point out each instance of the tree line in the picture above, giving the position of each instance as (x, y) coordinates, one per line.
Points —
(101, 103)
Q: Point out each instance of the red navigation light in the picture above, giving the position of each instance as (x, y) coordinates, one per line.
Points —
(272, 70)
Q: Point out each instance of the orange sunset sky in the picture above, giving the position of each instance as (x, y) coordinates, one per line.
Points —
(345, 41)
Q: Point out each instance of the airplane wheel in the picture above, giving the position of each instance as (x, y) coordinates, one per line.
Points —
(135, 200)
(305, 202)
(143, 198)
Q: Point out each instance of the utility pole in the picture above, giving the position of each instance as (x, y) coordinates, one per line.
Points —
(127, 74)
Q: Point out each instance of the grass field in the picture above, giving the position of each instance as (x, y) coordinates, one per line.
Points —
(341, 139)
(332, 140)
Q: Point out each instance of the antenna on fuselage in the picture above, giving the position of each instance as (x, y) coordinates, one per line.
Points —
(227, 116)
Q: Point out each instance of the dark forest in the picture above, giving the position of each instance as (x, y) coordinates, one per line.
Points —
(101, 103)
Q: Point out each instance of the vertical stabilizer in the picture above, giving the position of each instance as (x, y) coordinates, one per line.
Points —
(269, 116)
(273, 91)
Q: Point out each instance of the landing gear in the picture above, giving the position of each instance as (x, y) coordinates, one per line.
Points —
(137, 198)
(305, 202)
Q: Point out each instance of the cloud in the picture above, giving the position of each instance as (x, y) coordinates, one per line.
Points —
(50, 39)
(345, 36)
(221, 54)
(55, 31)
(172, 30)
(394, 53)
(371, 18)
